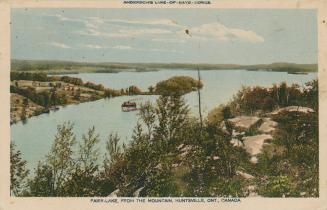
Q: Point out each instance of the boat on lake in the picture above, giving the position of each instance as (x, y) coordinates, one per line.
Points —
(128, 106)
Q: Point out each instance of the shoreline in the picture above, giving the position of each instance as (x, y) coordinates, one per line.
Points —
(55, 72)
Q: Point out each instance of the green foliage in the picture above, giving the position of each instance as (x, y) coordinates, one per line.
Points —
(113, 148)
(63, 174)
(86, 178)
(172, 117)
(133, 90)
(177, 85)
(147, 114)
(311, 94)
(71, 80)
(60, 157)
(228, 187)
(220, 113)
(18, 172)
(151, 89)
(147, 162)
(293, 154)
(42, 183)
(251, 100)
(94, 86)
(277, 186)
(42, 77)
(88, 154)
(41, 98)
(168, 156)
(23, 115)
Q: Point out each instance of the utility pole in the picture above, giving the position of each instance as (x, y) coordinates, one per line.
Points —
(187, 32)
(199, 97)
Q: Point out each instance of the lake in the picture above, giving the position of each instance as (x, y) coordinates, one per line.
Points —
(34, 138)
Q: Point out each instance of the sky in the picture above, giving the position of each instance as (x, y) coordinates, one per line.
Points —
(238, 36)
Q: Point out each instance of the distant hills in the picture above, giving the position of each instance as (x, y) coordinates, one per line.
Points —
(62, 67)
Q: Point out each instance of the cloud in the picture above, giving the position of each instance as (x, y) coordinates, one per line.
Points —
(166, 22)
(64, 18)
(223, 33)
(93, 46)
(89, 22)
(96, 20)
(58, 45)
(205, 32)
(137, 32)
(122, 33)
(169, 40)
(122, 47)
(126, 47)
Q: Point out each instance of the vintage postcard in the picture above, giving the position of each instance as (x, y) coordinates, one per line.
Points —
(163, 104)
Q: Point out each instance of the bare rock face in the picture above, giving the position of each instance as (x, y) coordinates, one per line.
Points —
(244, 175)
(236, 143)
(244, 122)
(137, 192)
(254, 159)
(293, 109)
(114, 193)
(254, 144)
(267, 126)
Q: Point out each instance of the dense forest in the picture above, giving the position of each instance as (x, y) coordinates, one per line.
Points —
(172, 154)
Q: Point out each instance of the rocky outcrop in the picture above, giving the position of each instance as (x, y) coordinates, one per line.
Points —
(254, 144)
(293, 109)
(236, 143)
(137, 192)
(244, 175)
(114, 193)
(267, 126)
(251, 133)
(244, 122)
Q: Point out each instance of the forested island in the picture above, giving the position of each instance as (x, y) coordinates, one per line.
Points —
(264, 142)
(70, 67)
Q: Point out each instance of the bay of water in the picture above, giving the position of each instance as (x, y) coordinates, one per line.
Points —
(34, 138)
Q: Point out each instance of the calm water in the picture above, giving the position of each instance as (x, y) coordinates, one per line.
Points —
(34, 138)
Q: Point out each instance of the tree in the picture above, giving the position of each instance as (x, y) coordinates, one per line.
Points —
(42, 183)
(178, 85)
(77, 95)
(151, 89)
(18, 172)
(60, 158)
(312, 95)
(133, 90)
(173, 115)
(23, 115)
(88, 153)
(148, 116)
(113, 149)
(54, 100)
(86, 179)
